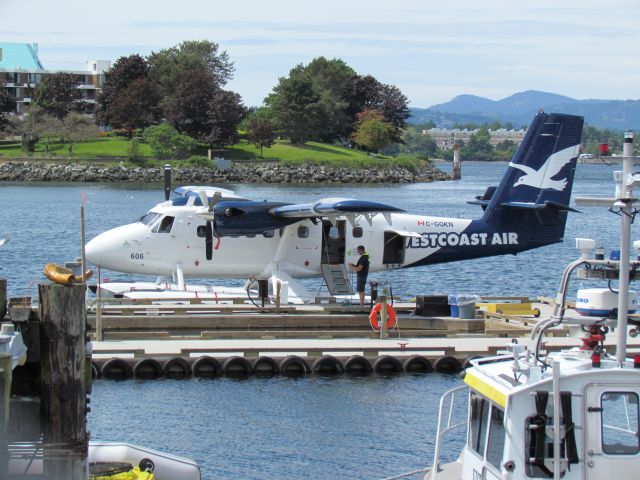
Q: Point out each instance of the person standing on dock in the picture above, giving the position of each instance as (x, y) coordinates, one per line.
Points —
(361, 267)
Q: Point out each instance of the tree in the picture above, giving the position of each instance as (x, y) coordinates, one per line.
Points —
(7, 105)
(137, 106)
(77, 128)
(331, 81)
(418, 143)
(226, 111)
(373, 132)
(296, 106)
(478, 146)
(167, 142)
(57, 94)
(169, 66)
(260, 129)
(188, 108)
(117, 80)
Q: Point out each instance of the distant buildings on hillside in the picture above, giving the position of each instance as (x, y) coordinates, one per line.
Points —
(446, 138)
(21, 70)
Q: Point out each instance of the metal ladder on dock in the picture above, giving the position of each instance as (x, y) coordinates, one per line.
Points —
(337, 279)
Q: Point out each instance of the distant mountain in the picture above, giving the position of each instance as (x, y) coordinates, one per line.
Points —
(520, 108)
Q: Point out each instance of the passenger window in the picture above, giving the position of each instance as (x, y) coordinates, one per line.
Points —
(334, 232)
(620, 423)
(303, 231)
(357, 232)
(495, 444)
(269, 234)
(165, 225)
(202, 231)
(478, 423)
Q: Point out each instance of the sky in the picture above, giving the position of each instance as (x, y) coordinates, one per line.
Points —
(432, 51)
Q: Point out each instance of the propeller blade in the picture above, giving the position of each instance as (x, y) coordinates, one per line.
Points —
(203, 198)
(209, 241)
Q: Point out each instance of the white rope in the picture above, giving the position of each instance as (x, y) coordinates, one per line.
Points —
(408, 474)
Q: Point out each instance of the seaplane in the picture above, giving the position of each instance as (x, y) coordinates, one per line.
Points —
(210, 232)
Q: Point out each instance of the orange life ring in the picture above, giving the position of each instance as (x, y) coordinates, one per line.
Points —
(391, 316)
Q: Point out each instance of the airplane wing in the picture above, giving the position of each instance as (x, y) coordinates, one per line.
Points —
(249, 217)
(331, 206)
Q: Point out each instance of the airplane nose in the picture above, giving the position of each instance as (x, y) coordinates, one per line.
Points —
(107, 249)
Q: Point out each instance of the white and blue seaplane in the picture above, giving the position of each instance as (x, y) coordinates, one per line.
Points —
(209, 232)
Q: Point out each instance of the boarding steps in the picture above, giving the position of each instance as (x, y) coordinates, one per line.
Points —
(337, 279)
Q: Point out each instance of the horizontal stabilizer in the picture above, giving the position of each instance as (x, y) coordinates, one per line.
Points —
(540, 206)
(331, 206)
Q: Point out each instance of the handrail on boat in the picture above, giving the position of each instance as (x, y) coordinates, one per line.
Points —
(448, 397)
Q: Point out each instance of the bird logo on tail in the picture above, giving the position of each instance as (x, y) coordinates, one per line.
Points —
(542, 178)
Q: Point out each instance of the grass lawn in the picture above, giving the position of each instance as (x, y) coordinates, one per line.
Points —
(285, 151)
(97, 147)
(282, 151)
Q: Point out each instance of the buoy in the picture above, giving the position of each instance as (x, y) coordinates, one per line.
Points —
(447, 364)
(176, 368)
(386, 364)
(116, 369)
(206, 367)
(147, 369)
(327, 365)
(236, 367)
(265, 366)
(391, 316)
(357, 365)
(293, 366)
(417, 364)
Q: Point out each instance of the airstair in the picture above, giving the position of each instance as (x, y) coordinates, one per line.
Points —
(336, 278)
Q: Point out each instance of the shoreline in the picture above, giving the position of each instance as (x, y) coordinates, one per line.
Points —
(12, 171)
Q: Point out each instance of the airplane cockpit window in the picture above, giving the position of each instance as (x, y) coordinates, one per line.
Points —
(149, 218)
(164, 226)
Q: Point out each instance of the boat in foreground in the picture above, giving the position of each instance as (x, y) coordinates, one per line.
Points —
(572, 414)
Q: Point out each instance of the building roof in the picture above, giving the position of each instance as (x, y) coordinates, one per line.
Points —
(19, 56)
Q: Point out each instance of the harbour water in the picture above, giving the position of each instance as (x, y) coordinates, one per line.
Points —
(280, 428)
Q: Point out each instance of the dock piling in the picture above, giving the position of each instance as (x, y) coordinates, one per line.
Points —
(63, 380)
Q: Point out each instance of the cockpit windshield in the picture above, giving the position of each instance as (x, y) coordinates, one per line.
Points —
(149, 218)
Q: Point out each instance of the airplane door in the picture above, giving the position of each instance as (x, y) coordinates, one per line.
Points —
(611, 432)
(333, 242)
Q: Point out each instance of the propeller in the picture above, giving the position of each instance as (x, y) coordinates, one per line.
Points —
(207, 214)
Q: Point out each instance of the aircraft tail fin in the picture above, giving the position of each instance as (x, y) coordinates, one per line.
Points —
(534, 195)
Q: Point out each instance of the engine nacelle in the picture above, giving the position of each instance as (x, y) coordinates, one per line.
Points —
(247, 217)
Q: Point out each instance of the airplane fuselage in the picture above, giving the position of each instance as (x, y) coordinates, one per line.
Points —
(156, 248)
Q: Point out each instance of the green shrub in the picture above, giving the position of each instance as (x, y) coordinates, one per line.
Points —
(133, 152)
(199, 161)
(167, 142)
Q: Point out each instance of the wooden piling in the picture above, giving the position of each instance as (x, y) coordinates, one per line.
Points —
(63, 380)
(5, 391)
(3, 298)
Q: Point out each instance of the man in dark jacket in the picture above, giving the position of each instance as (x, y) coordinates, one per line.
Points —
(361, 267)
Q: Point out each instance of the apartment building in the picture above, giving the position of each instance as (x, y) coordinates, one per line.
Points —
(21, 71)
(446, 138)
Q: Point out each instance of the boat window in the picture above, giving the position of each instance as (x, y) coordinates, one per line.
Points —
(164, 226)
(357, 232)
(303, 231)
(620, 423)
(269, 234)
(495, 444)
(478, 422)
